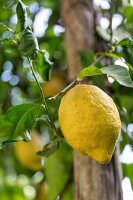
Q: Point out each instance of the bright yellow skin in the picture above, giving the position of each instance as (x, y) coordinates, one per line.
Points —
(26, 152)
(90, 122)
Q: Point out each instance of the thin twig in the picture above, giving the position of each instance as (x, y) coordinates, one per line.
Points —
(43, 99)
(77, 80)
(97, 59)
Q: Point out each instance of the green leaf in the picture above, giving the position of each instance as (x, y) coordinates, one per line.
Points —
(49, 148)
(58, 169)
(119, 73)
(43, 65)
(89, 71)
(128, 171)
(124, 42)
(21, 15)
(28, 44)
(18, 122)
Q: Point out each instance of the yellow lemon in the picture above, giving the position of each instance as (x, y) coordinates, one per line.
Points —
(90, 122)
(26, 152)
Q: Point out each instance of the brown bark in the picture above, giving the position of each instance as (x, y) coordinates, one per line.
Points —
(78, 31)
(97, 182)
(92, 180)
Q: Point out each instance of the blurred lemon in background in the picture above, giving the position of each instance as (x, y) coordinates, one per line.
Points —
(26, 152)
(56, 84)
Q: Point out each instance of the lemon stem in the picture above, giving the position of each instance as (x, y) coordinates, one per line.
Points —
(51, 122)
(76, 81)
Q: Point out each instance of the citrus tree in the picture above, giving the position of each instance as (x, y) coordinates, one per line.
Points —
(49, 108)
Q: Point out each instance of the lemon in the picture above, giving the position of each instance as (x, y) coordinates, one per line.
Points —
(90, 122)
(26, 152)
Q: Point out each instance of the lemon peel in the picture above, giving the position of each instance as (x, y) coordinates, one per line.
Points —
(90, 122)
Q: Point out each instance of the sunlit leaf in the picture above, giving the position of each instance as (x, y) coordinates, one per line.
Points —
(90, 71)
(119, 73)
(17, 123)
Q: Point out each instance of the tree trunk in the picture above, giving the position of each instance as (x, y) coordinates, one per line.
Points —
(92, 181)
